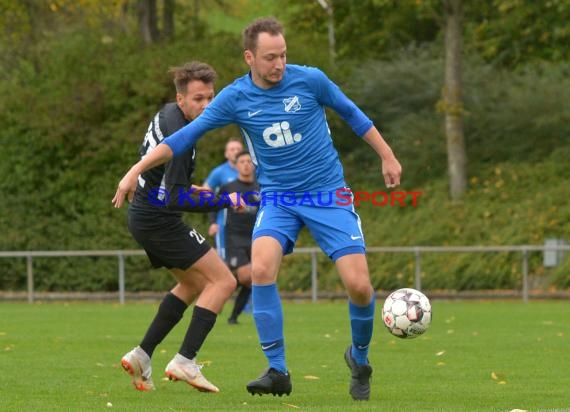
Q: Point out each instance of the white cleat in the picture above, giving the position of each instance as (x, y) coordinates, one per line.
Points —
(181, 368)
(137, 364)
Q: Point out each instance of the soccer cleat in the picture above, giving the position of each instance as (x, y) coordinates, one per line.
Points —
(137, 364)
(181, 368)
(232, 321)
(271, 381)
(360, 381)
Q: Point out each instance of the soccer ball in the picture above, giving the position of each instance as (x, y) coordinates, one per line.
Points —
(406, 313)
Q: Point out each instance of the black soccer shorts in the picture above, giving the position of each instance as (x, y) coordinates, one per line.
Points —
(167, 240)
(238, 256)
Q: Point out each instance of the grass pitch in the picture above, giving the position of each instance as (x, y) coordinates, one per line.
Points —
(477, 356)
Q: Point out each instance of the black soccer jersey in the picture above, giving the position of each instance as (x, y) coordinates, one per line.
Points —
(163, 189)
(160, 181)
(239, 225)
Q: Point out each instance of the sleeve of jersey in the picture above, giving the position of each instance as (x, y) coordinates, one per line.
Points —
(213, 179)
(218, 113)
(329, 94)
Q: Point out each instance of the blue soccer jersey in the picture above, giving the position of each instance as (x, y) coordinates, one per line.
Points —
(285, 128)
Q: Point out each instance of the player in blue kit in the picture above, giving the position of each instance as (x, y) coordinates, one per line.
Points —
(280, 110)
(219, 176)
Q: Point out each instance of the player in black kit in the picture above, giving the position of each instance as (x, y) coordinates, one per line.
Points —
(239, 226)
(155, 221)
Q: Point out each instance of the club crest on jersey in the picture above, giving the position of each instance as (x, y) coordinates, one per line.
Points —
(292, 104)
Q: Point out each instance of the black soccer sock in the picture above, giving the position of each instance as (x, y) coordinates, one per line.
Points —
(202, 322)
(241, 301)
(169, 313)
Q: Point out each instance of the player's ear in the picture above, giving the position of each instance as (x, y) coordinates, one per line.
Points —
(248, 57)
(179, 99)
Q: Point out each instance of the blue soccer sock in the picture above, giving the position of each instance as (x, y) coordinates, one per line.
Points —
(268, 316)
(362, 324)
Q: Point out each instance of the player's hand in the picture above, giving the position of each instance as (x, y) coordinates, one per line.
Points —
(126, 187)
(237, 202)
(200, 189)
(213, 229)
(392, 171)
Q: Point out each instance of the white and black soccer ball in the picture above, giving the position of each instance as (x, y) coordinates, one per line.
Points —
(407, 313)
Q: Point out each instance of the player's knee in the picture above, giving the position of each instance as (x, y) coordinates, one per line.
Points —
(232, 284)
(244, 275)
(263, 272)
(360, 293)
(226, 285)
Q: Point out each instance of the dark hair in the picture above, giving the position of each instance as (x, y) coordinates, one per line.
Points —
(234, 139)
(262, 25)
(242, 153)
(192, 71)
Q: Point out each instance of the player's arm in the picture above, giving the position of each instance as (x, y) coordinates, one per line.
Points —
(175, 144)
(329, 94)
(391, 168)
(128, 184)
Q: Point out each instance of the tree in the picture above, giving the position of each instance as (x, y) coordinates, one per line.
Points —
(328, 7)
(515, 33)
(148, 18)
(452, 99)
(148, 25)
(168, 19)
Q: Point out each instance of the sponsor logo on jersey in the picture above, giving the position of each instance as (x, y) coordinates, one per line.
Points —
(251, 114)
(279, 135)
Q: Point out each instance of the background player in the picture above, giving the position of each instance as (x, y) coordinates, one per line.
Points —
(239, 227)
(220, 175)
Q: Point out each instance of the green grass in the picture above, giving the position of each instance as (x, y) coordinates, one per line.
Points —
(65, 357)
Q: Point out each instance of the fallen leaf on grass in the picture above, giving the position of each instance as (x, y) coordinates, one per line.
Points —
(500, 378)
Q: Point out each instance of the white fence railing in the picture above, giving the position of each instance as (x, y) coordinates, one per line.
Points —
(417, 251)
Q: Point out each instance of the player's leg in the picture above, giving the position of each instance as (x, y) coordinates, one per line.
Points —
(354, 272)
(238, 258)
(169, 313)
(165, 243)
(274, 235)
(243, 273)
(268, 316)
(217, 286)
(337, 231)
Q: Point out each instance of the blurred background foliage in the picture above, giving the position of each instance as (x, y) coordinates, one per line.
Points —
(81, 79)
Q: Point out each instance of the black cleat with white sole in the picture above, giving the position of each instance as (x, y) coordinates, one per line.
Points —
(271, 381)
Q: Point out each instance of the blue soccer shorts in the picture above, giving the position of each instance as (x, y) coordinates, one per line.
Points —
(335, 227)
